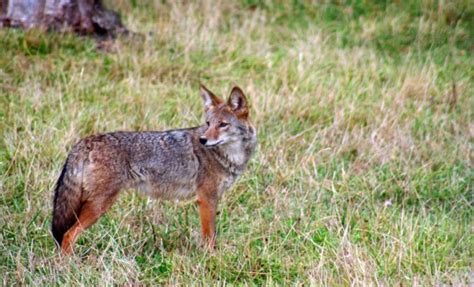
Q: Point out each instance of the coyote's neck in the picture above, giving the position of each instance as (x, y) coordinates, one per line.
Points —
(234, 156)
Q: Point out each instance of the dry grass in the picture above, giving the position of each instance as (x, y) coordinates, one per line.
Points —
(363, 173)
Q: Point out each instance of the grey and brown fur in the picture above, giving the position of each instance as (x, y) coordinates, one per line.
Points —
(199, 162)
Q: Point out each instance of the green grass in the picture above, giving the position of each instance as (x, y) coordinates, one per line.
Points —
(363, 173)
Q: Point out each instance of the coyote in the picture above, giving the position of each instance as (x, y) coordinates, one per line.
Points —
(200, 161)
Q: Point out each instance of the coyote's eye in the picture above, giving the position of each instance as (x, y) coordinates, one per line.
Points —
(207, 123)
(223, 124)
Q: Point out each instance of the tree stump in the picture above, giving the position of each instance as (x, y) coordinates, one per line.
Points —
(85, 17)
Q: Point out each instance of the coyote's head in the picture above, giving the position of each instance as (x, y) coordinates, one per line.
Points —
(227, 122)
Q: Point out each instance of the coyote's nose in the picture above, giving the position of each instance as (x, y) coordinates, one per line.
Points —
(203, 140)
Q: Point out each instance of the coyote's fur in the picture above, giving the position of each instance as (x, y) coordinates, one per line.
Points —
(200, 161)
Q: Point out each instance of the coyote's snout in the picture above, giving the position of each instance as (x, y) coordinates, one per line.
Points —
(201, 161)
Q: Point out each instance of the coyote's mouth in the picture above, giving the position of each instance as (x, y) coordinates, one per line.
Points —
(214, 144)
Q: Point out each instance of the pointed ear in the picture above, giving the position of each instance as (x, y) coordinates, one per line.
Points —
(209, 98)
(238, 103)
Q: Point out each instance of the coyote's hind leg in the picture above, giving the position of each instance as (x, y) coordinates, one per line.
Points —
(89, 213)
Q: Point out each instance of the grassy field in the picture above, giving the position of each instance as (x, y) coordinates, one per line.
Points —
(364, 169)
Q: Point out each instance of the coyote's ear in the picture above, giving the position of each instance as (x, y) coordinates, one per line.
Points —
(209, 98)
(238, 103)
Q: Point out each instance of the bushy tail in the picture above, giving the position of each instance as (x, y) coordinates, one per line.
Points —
(67, 203)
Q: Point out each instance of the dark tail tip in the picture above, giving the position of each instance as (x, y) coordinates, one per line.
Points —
(58, 235)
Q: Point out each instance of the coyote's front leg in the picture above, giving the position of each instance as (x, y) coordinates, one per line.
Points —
(207, 200)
